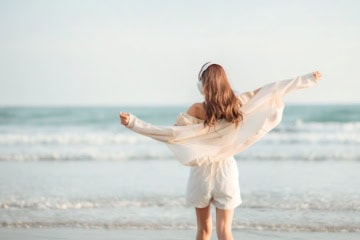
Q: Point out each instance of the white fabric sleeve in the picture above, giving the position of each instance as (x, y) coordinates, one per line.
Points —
(283, 87)
(287, 86)
(163, 134)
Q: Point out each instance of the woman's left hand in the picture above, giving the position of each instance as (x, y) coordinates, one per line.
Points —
(124, 117)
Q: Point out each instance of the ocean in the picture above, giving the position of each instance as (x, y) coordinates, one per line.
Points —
(77, 167)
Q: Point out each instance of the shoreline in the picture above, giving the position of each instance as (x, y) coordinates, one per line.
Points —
(151, 234)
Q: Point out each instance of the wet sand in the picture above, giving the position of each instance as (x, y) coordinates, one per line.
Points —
(136, 234)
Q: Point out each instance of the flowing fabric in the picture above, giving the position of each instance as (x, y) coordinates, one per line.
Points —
(193, 143)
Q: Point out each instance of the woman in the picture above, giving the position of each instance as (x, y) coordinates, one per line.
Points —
(211, 132)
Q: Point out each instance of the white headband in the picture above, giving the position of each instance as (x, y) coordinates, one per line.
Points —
(203, 69)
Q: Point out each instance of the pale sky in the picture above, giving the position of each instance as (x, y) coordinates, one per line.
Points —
(149, 52)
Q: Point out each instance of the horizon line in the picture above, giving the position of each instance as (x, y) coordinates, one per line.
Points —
(164, 105)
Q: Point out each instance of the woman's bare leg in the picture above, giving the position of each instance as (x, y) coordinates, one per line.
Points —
(224, 219)
(204, 224)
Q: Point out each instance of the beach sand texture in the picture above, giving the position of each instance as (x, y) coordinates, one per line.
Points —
(96, 234)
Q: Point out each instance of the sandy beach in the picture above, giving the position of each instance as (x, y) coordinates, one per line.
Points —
(95, 234)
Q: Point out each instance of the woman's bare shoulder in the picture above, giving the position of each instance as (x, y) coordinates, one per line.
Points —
(197, 110)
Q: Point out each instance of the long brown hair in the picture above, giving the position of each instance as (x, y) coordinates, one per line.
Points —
(220, 100)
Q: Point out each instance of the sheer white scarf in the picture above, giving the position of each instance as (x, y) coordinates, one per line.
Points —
(193, 144)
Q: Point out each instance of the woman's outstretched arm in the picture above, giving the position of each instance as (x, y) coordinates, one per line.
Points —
(163, 134)
(246, 96)
(287, 86)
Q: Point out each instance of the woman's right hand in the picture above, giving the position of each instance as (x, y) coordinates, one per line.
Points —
(124, 117)
(317, 75)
